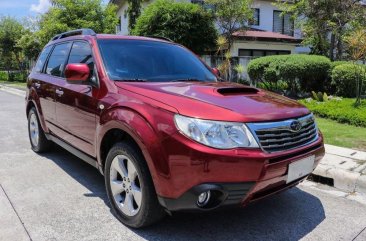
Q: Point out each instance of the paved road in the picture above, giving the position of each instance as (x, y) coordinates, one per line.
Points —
(56, 196)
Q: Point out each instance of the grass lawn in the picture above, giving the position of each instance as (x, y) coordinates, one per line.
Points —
(14, 84)
(342, 134)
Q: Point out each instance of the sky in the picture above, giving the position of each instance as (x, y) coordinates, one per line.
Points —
(24, 8)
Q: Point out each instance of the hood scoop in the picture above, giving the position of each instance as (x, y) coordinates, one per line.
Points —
(237, 91)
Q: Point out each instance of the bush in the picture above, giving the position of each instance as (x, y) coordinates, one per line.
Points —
(3, 76)
(185, 23)
(340, 110)
(335, 64)
(278, 87)
(310, 72)
(13, 76)
(344, 78)
(257, 68)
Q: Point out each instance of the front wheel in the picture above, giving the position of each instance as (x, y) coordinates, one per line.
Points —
(37, 137)
(130, 188)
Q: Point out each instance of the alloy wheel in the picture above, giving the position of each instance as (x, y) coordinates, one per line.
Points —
(125, 185)
(33, 129)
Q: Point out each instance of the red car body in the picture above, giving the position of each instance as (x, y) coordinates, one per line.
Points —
(83, 117)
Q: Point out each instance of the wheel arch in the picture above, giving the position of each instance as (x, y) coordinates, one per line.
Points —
(32, 103)
(124, 124)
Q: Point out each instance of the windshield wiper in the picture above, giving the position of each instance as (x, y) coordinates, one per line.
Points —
(131, 80)
(188, 80)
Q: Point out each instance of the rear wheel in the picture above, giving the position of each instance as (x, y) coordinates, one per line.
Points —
(130, 188)
(37, 137)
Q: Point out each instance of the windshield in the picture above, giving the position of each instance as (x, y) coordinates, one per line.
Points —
(139, 60)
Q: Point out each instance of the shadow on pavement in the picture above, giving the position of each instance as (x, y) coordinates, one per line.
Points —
(288, 216)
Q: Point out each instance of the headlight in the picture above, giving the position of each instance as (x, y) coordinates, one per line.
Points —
(218, 134)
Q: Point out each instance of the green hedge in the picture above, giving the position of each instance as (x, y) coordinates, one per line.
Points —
(13, 77)
(335, 64)
(3, 76)
(342, 111)
(344, 78)
(309, 72)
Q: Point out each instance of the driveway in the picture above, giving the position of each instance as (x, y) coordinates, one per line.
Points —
(57, 196)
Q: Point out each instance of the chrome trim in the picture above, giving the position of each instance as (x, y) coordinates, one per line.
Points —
(308, 125)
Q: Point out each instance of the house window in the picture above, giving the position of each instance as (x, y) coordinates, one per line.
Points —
(282, 23)
(119, 26)
(261, 52)
(256, 17)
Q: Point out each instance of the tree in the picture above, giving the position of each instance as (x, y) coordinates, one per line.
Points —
(319, 18)
(357, 51)
(133, 12)
(10, 32)
(30, 45)
(65, 15)
(231, 15)
(184, 23)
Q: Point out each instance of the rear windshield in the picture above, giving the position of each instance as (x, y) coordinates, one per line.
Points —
(139, 60)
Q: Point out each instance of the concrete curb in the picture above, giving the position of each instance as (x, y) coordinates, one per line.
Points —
(346, 167)
(343, 180)
(11, 90)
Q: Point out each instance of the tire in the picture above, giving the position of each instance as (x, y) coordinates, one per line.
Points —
(133, 197)
(37, 138)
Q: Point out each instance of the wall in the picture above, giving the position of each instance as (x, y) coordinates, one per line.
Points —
(124, 20)
(266, 16)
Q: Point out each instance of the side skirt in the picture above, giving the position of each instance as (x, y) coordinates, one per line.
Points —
(88, 159)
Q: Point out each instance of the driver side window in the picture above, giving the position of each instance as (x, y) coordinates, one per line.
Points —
(81, 52)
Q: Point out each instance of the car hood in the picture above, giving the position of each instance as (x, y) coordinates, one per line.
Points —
(219, 100)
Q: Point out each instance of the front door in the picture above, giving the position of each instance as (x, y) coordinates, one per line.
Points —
(76, 104)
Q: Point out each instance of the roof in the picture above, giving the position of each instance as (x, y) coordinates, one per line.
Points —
(265, 36)
(108, 36)
(130, 37)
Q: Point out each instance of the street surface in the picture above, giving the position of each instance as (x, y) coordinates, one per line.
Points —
(56, 196)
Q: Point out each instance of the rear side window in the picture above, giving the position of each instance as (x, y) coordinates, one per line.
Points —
(57, 60)
(82, 53)
(42, 59)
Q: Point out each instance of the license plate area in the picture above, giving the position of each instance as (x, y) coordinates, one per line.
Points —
(300, 168)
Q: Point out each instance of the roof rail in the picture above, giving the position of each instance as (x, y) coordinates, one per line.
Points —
(160, 37)
(83, 31)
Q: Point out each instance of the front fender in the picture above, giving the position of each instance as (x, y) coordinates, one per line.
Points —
(147, 131)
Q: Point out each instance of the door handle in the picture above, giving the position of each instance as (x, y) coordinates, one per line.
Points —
(59, 92)
(37, 85)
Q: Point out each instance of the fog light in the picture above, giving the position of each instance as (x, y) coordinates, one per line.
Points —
(203, 198)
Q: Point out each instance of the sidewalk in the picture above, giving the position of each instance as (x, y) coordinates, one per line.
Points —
(346, 167)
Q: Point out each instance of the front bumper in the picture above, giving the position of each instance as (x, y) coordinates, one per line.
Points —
(237, 177)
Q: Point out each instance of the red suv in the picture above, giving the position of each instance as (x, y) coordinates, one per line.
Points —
(161, 126)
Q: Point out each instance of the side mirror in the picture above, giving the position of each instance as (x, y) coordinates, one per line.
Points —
(77, 74)
(216, 72)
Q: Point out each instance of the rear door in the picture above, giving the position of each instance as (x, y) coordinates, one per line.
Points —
(76, 104)
(54, 74)
(44, 88)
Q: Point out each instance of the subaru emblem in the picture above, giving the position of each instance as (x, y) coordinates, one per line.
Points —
(295, 126)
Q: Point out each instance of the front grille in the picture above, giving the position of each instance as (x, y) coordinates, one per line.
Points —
(282, 135)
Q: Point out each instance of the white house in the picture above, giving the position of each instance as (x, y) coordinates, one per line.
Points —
(271, 33)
